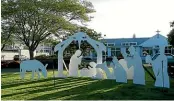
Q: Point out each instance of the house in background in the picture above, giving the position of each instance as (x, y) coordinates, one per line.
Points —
(44, 49)
(15, 49)
(19, 49)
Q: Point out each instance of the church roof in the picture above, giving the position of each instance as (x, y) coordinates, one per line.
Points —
(119, 41)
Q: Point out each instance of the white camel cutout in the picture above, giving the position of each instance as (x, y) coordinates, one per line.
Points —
(34, 66)
(105, 68)
(129, 71)
(75, 61)
(97, 72)
(119, 71)
(159, 66)
(134, 59)
(98, 47)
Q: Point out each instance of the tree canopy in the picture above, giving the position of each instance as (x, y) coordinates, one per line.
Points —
(171, 34)
(85, 46)
(34, 20)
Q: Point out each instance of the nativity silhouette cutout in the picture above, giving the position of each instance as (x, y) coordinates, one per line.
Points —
(134, 61)
(80, 36)
(129, 68)
(33, 66)
(159, 66)
(75, 61)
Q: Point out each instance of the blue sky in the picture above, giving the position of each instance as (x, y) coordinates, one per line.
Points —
(123, 18)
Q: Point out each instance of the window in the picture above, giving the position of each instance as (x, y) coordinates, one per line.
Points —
(172, 50)
(110, 44)
(126, 44)
(113, 53)
(47, 51)
(133, 43)
(127, 51)
(168, 50)
(112, 49)
(129, 43)
(117, 49)
(123, 44)
(146, 51)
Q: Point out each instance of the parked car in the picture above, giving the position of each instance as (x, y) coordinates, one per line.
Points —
(170, 60)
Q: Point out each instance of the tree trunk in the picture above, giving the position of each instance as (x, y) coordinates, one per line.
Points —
(3, 46)
(31, 54)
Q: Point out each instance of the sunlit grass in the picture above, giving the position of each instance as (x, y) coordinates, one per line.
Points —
(13, 88)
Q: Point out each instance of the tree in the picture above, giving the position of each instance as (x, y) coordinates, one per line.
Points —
(7, 32)
(35, 20)
(171, 34)
(85, 46)
(171, 37)
(172, 24)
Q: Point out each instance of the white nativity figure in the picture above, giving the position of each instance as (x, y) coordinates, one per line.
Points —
(75, 61)
(88, 72)
(84, 72)
(105, 68)
(34, 66)
(159, 66)
(99, 72)
(134, 59)
(129, 71)
(119, 71)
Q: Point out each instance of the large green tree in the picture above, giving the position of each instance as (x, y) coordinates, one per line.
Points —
(171, 34)
(35, 20)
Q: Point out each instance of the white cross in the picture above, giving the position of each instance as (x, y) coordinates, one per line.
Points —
(158, 31)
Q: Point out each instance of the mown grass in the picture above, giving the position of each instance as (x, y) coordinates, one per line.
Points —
(13, 88)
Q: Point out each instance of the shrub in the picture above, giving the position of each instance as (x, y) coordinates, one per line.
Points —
(14, 64)
(46, 57)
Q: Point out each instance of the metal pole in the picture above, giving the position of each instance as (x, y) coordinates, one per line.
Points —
(149, 73)
(53, 73)
(162, 76)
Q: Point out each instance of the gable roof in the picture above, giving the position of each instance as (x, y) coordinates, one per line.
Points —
(156, 40)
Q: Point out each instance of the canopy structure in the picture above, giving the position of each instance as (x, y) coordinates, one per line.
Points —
(80, 36)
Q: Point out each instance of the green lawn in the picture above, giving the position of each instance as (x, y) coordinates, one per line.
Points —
(13, 88)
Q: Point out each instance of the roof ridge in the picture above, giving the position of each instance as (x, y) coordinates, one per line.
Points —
(128, 38)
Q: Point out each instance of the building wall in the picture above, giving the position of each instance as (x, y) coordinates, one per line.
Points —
(8, 55)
